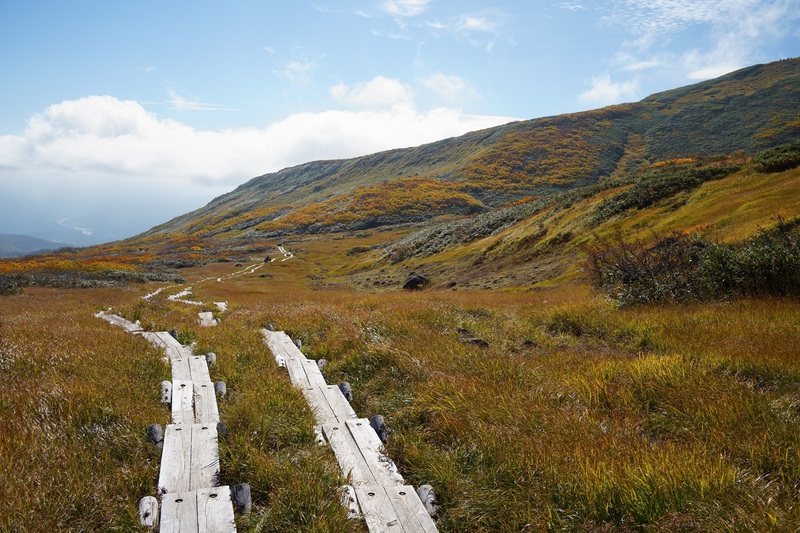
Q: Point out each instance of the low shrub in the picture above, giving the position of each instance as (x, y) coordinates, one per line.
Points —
(658, 183)
(682, 268)
(9, 286)
(778, 159)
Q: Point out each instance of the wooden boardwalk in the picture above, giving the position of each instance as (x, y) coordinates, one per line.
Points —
(379, 491)
(191, 501)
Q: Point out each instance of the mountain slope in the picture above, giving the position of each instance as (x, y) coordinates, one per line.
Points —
(19, 245)
(745, 111)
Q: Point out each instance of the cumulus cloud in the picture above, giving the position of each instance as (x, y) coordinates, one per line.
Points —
(380, 92)
(102, 153)
(122, 140)
(604, 91)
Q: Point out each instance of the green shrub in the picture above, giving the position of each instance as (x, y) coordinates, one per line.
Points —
(656, 184)
(9, 286)
(682, 268)
(778, 159)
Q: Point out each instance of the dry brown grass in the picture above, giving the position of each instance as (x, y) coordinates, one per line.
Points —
(576, 416)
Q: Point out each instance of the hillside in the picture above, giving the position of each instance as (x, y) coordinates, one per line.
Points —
(745, 111)
(19, 245)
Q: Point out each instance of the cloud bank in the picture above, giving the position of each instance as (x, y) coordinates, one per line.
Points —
(96, 145)
(101, 134)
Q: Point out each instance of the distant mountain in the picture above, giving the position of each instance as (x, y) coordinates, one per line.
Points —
(19, 245)
(745, 111)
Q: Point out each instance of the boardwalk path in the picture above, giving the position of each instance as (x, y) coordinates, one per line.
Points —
(190, 499)
(378, 489)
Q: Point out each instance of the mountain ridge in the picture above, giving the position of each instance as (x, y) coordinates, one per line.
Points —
(13, 245)
(746, 110)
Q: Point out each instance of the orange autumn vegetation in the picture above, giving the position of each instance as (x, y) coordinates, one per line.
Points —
(407, 197)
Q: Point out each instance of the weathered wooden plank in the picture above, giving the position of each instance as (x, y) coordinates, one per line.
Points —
(171, 346)
(323, 412)
(313, 373)
(409, 509)
(280, 353)
(207, 319)
(378, 510)
(204, 471)
(190, 458)
(350, 459)
(369, 445)
(215, 510)
(179, 513)
(205, 404)
(180, 369)
(130, 327)
(280, 341)
(198, 369)
(182, 402)
(175, 473)
(297, 374)
(339, 404)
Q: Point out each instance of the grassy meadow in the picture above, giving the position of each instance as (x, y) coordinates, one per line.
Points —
(571, 415)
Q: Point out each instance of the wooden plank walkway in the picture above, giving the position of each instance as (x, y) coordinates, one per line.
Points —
(385, 501)
(189, 473)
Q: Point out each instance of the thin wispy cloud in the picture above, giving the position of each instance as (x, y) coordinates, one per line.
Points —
(406, 8)
(735, 32)
(479, 28)
(451, 88)
(297, 69)
(179, 102)
(667, 16)
(572, 6)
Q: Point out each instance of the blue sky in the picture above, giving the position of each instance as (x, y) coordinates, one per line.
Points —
(117, 116)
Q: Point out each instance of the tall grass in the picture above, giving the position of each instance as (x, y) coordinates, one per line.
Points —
(76, 399)
(576, 416)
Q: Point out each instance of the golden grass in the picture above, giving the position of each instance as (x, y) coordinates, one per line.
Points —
(77, 396)
(577, 415)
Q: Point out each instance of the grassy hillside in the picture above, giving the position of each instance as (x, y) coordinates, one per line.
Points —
(745, 111)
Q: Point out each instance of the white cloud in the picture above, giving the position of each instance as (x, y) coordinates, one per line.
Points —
(120, 140)
(452, 88)
(298, 72)
(378, 93)
(712, 72)
(134, 170)
(604, 91)
(406, 8)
